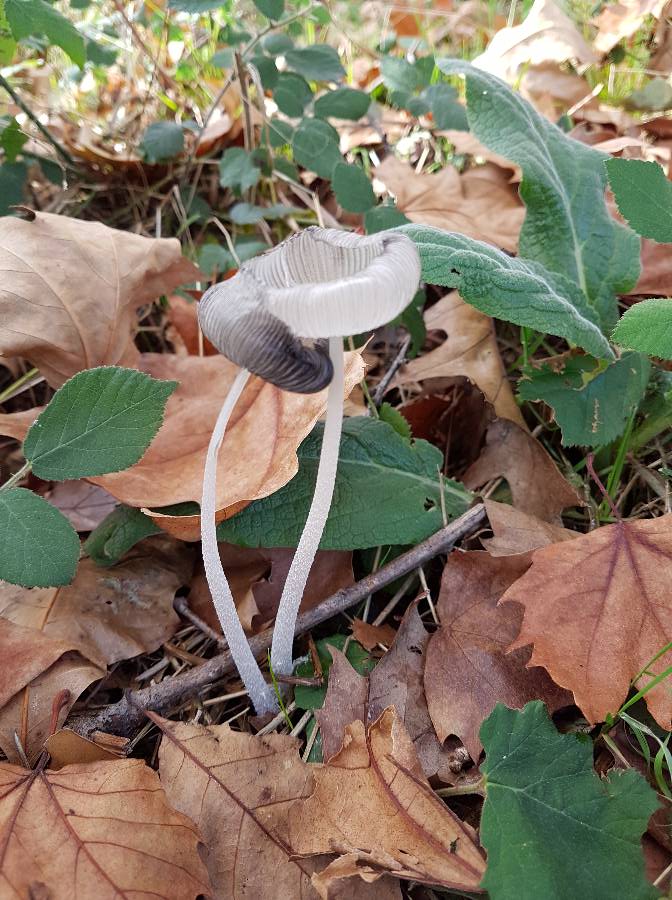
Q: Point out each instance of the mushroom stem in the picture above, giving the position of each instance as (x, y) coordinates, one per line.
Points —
(285, 620)
(261, 693)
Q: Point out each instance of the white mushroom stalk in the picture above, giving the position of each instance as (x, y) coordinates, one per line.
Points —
(274, 319)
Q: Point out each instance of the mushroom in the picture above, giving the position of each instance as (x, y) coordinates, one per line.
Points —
(283, 317)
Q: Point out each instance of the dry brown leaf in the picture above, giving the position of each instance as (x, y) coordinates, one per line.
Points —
(258, 454)
(481, 203)
(370, 636)
(552, 91)
(25, 655)
(519, 532)
(346, 878)
(546, 35)
(183, 330)
(373, 800)
(466, 143)
(468, 670)
(621, 20)
(537, 486)
(598, 609)
(345, 702)
(103, 830)
(85, 505)
(66, 748)
(470, 349)
(70, 290)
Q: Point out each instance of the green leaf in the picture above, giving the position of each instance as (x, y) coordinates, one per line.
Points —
(383, 217)
(352, 188)
(400, 75)
(195, 7)
(280, 133)
(276, 43)
(162, 141)
(12, 138)
(100, 54)
(343, 103)
(552, 828)
(223, 59)
(359, 658)
(292, 93)
(102, 420)
(248, 214)
(315, 147)
(38, 546)
(387, 492)
(567, 228)
(387, 413)
(513, 289)
(117, 533)
(653, 97)
(317, 63)
(644, 196)
(647, 327)
(447, 112)
(236, 169)
(413, 321)
(35, 17)
(213, 259)
(268, 71)
(272, 9)
(13, 177)
(591, 405)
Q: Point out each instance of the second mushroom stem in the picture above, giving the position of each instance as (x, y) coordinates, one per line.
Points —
(285, 621)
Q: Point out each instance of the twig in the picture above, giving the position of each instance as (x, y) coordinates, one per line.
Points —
(62, 152)
(127, 715)
(181, 607)
(397, 362)
(165, 78)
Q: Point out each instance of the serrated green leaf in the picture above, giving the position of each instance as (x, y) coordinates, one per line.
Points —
(567, 228)
(35, 17)
(387, 413)
(317, 63)
(343, 103)
(272, 9)
(101, 420)
(315, 147)
(237, 170)
(383, 217)
(121, 530)
(513, 289)
(644, 196)
(359, 658)
(162, 141)
(551, 826)
(352, 188)
(591, 405)
(13, 177)
(387, 492)
(38, 546)
(292, 93)
(647, 328)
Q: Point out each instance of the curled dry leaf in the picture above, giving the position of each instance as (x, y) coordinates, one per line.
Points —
(373, 800)
(537, 486)
(480, 203)
(70, 290)
(546, 35)
(102, 830)
(470, 349)
(468, 670)
(66, 747)
(519, 532)
(598, 609)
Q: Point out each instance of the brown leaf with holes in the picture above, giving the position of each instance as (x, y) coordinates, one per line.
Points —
(373, 800)
(103, 830)
(258, 455)
(537, 485)
(519, 532)
(480, 203)
(470, 349)
(598, 609)
(468, 670)
(345, 702)
(70, 290)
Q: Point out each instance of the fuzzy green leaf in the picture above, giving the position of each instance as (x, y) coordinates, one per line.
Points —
(38, 546)
(647, 327)
(384, 217)
(117, 533)
(162, 141)
(387, 492)
(315, 147)
(343, 103)
(102, 420)
(513, 289)
(352, 188)
(567, 228)
(35, 17)
(591, 404)
(237, 170)
(317, 63)
(644, 196)
(551, 826)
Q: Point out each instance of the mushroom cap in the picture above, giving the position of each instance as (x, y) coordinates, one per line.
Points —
(317, 284)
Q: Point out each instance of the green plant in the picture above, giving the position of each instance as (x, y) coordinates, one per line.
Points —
(101, 420)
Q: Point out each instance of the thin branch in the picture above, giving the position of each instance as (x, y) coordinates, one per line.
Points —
(126, 716)
(62, 152)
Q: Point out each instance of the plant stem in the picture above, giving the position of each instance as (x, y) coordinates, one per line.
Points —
(62, 152)
(261, 693)
(16, 477)
(288, 609)
(13, 388)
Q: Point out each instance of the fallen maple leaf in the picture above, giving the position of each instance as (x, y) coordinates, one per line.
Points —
(519, 532)
(102, 830)
(480, 203)
(470, 349)
(537, 486)
(597, 610)
(467, 670)
(70, 290)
